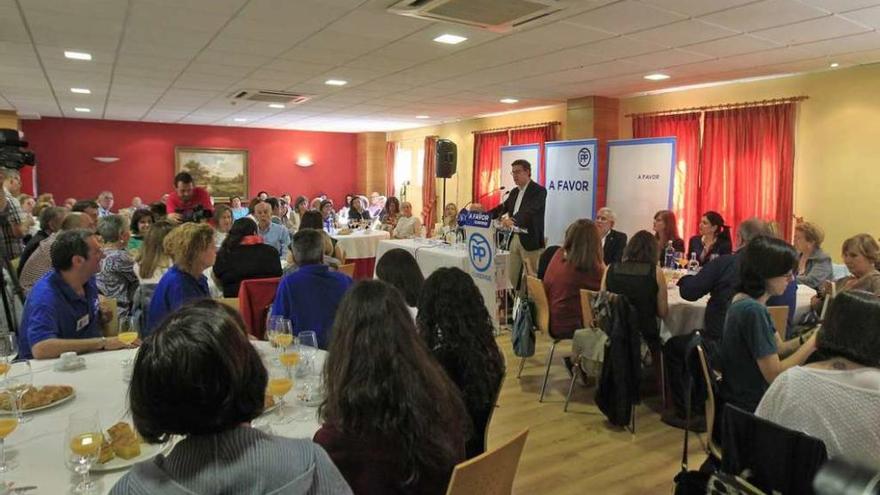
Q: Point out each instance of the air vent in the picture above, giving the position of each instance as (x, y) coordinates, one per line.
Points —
(269, 96)
(493, 15)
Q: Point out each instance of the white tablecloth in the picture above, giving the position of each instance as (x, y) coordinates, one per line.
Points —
(686, 316)
(38, 447)
(361, 243)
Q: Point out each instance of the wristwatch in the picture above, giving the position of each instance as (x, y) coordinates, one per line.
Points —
(103, 343)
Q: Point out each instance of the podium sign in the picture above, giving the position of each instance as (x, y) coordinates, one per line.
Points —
(480, 245)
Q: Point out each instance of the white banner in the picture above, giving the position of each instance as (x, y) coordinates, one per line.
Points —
(480, 242)
(571, 185)
(641, 177)
(528, 152)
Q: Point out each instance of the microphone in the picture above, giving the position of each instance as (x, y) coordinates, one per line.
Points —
(464, 209)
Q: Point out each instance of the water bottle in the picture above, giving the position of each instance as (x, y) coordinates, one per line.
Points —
(670, 256)
(693, 264)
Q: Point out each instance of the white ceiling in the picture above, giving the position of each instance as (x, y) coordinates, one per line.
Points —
(179, 60)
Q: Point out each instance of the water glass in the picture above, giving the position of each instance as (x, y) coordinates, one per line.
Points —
(8, 347)
(82, 447)
(8, 424)
(19, 378)
(308, 344)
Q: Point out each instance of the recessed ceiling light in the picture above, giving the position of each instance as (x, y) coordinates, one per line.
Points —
(656, 77)
(335, 82)
(509, 100)
(834, 65)
(450, 39)
(423, 116)
(240, 120)
(276, 105)
(83, 109)
(82, 91)
(78, 55)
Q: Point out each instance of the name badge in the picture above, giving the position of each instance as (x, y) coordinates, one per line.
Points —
(82, 323)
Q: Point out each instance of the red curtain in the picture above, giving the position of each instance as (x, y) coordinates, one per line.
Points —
(487, 167)
(748, 164)
(429, 189)
(686, 128)
(539, 136)
(390, 152)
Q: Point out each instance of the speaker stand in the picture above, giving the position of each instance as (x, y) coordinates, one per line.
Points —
(443, 206)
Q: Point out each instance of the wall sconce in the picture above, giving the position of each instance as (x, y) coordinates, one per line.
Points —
(106, 159)
(304, 161)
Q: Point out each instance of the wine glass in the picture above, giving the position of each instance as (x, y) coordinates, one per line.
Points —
(272, 325)
(289, 356)
(82, 446)
(8, 350)
(8, 423)
(128, 331)
(681, 259)
(279, 384)
(19, 379)
(283, 334)
(308, 344)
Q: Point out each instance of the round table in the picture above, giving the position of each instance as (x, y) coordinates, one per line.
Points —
(38, 446)
(360, 248)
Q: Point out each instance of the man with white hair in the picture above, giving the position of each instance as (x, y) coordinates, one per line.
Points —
(105, 204)
(613, 241)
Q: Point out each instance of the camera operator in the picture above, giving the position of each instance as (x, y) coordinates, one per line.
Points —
(188, 203)
(12, 228)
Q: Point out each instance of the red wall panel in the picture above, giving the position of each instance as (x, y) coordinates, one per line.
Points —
(65, 166)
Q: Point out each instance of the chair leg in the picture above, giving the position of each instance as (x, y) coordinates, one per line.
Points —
(570, 388)
(522, 363)
(547, 370)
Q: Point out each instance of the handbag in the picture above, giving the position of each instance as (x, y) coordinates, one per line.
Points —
(721, 483)
(523, 332)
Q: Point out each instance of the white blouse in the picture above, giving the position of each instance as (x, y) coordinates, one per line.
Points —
(407, 227)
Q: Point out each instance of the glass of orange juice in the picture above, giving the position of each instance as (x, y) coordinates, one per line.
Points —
(128, 333)
(8, 424)
(279, 384)
(82, 447)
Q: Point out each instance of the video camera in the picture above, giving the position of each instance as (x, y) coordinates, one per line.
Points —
(198, 214)
(12, 154)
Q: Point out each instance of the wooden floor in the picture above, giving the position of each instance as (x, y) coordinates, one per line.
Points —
(579, 452)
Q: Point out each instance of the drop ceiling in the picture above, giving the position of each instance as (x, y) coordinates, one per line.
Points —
(179, 60)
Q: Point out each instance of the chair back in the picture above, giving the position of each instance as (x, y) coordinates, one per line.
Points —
(587, 298)
(709, 379)
(491, 473)
(542, 306)
(347, 269)
(254, 296)
(779, 315)
(232, 302)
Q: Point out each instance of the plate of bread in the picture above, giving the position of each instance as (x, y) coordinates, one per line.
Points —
(123, 447)
(39, 398)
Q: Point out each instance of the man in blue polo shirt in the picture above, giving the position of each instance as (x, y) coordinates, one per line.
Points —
(273, 234)
(309, 296)
(61, 313)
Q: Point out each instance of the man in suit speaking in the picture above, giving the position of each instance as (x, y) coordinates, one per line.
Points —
(524, 208)
(613, 241)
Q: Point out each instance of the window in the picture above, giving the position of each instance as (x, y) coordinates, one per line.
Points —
(402, 167)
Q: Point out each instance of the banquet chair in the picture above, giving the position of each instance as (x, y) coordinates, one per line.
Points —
(232, 302)
(491, 473)
(255, 297)
(587, 298)
(710, 382)
(542, 308)
(779, 315)
(347, 269)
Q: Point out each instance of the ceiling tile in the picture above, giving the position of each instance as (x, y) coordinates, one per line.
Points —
(625, 17)
(683, 33)
(838, 6)
(695, 7)
(735, 45)
(764, 14)
(813, 30)
(855, 43)
(869, 16)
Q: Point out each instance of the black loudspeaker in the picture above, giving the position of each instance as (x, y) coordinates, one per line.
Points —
(445, 158)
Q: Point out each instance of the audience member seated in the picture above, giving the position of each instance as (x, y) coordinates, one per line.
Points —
(88, 207)
(238, 211)
(342, 214)
(836, 400)
(316, 204)
(544, 260)
(47, 198)
(222, 221)
(188, 202)
(393, 421)
(136, 204)
(638, 278)
(273, 234)
(613, 242)
(30, 222)
(159, 210)
(408, 225)
(243, 256)
(449, 222)
(357, 211)
(191, 248)
(105, 203)
(378, 204)
(13, 222)
(200, 378)
(69, 203)
(666, 231)
(328, 216)
(713, 239)
(334, 255)
(300, 207)
(40, 263)
(577, 265)
(51, 219)
(152, 261)
(141, 221)
(285, 215)
(398, 268)
(750, 348)
(389, 215)
(814, 266)
(116, 279)
(309, 296)
(61, 312)
(861, 253)
(457, 329)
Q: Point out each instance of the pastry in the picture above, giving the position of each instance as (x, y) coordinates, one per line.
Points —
(124, 441)
(106, 451)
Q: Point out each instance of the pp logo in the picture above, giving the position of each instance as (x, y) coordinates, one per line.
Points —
(585, 157)
(480, 252)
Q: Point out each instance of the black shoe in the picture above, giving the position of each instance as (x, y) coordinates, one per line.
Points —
(569, 366)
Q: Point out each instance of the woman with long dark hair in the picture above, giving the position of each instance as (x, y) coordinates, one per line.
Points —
(713, 239)
(666, 231)
(457, 328)
(393, 421)
(400, 269)
(243, 256)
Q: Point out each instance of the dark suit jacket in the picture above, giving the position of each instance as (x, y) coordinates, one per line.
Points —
(614, 244)
(530, 215)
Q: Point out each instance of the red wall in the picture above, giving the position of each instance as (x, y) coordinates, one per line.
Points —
(65, 147)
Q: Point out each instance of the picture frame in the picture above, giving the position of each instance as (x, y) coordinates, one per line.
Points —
(222, 171)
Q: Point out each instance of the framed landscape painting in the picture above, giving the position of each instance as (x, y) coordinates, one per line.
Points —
(223, 172)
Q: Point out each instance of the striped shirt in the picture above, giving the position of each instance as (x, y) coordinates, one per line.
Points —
(10, 217)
